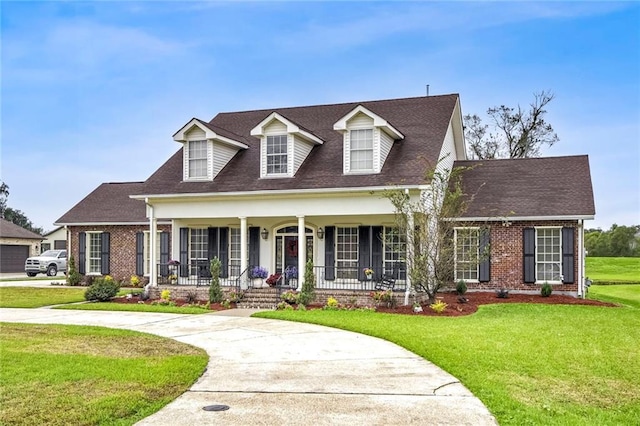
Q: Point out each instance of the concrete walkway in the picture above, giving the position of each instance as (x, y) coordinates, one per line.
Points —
(274, 372)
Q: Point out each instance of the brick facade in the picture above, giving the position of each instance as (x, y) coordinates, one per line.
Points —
(507, 258)
(122, 249)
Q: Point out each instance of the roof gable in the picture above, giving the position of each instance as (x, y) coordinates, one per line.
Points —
(342, 124)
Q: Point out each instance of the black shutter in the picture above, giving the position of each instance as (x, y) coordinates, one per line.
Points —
(164, 254)
(568, 257)
(105, 253)
(254, 246)
(223, 234)
(364, 250)
(529, 255)
(329, 253)
(484, 265)
(377, 261)
(139, 253)
(212, 244)
(184, 252)
(82, 253)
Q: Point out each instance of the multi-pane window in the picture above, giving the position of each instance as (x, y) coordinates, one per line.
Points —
(147, 251)
(466, 254)
(548, 254)
(198, 242)
(277, 154)
(197, 155)
(235, 251)
(395, 248)
(361, 149)
(347, 252)
(94, 251)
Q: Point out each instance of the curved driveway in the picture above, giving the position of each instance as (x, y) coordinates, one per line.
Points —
(272, 372)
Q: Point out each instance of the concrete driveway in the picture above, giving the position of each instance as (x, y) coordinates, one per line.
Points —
(271, 372)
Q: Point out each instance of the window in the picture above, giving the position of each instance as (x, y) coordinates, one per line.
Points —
(197, 155)
(277, 155)
(548, 254)
(147, 251)
(347, 252)
(198, 245)
(235, 251)
(361, 150)
(94, 251)
(466, 254)
(395, 248)
(44, 247)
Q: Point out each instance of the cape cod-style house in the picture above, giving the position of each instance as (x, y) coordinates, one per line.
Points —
(277, 187)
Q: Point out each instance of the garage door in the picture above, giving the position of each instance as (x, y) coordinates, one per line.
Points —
(12, 258)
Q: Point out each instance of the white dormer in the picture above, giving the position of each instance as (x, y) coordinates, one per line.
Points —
(283, 146)
(205, 151)
(367, 140)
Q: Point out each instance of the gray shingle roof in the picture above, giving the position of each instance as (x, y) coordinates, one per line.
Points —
(529, 187)
(108, 203)
(423, 121)
(11, 230)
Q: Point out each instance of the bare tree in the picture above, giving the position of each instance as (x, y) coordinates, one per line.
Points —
(517, 133)
(426, 223)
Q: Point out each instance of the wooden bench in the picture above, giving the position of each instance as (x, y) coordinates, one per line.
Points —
(385, 283)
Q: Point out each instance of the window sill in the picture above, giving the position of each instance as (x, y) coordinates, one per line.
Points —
(548, 282)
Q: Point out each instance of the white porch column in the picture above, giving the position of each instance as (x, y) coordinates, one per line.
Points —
(153, 256)
(410, 253)
(302, 251)
(244, 261)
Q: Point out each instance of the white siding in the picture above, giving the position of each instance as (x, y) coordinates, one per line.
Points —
(447, 153)
(222, 154)
(360, 120)
(195, 134)
(386, 142)
(301, 150)
(275, 127)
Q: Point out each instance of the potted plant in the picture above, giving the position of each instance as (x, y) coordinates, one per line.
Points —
(257, 275)
(273, 279)
(368, 273)
(173, 278)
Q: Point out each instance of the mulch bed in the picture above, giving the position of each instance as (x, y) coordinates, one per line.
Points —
(454, 309)
(134, 300)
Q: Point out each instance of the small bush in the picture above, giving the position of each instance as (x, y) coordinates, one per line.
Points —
(332, 304)
(215, 291)
(165, 295)
(284, 306)
(102, 289)
(73, 276)
(301, 307)
(438, 307)
(461, 287)
(289, 296)
(191, 297)
(546, 289)
(134, 281)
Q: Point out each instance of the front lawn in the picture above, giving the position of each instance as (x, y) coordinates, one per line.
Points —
(613, 269)
(73, 375)
(625, 294)
(35, 297)
(135, 307)
(529, 363)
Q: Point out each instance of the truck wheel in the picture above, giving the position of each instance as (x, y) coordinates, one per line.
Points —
(52, 270)
(31, 274)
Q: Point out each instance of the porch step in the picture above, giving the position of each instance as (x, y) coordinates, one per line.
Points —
(260, 298)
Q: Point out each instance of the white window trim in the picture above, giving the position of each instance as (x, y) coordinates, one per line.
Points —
(190, 250)
(385, 242)
(146, 252)
(339, 261)
(374, 153)
(264, 173)
(455, 254)
(536, 255)
(209, 159)
(88, 252)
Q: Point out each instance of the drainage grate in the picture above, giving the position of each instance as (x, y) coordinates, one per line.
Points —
(217, 407)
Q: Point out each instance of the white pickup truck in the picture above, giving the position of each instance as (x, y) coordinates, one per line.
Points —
(49, 262)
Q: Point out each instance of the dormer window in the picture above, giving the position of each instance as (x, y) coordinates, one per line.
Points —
(206, 149)
(368, 139)
(361, 150)
(283, 146)
(277, 158)
(197, 159)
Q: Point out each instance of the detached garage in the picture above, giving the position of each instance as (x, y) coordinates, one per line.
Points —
(16, 244)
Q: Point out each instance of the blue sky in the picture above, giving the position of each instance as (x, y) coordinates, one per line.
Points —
(93, 91)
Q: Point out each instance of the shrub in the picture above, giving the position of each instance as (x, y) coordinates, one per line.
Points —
(301, 307)
(235, 297)
(73, 276)
(226, 303)
(191, 297)
(307, 293)
(273, 279)
(165, 295)
(289, 296)
(546, 289)
(461, 287)
(332, 304)
(88, 280)
(102, 289)
(134, 281)
(284, 306)
(215, 292)
(438, 307)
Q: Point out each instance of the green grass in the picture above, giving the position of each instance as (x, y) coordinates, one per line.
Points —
(36, 278)
(529, 363)
(62, 375)
(613, 269)
(106, 306)
(34, 297)
(624, 294)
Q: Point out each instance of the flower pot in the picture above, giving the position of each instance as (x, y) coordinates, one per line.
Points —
(368, 276)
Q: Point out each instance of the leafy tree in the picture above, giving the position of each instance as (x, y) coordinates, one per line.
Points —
(4, 194)
(215, 292)
(516, 133)
(619, 241)
(430, 249)
(13, 215)
(307, 293)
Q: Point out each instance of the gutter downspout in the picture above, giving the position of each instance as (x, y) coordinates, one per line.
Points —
(581, 260)
(153, 276)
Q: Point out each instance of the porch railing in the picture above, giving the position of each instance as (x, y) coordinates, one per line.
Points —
(345, 278)
(199, 274)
